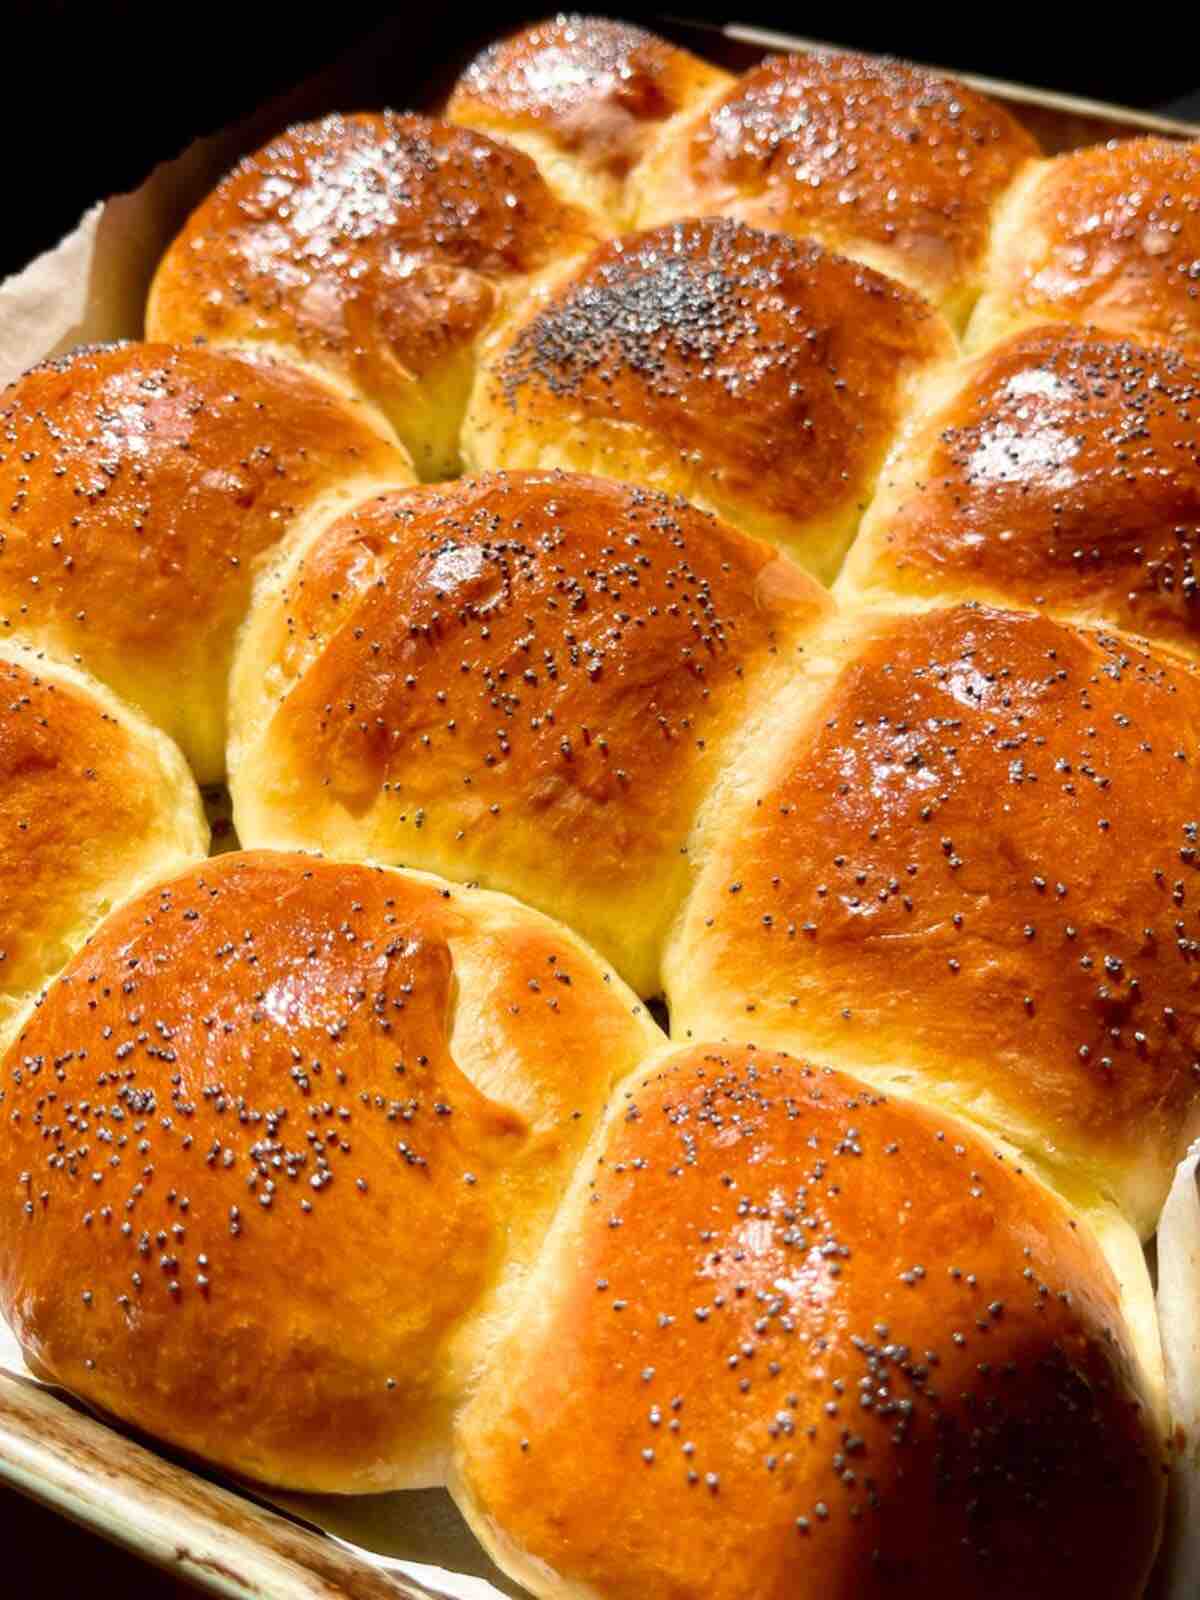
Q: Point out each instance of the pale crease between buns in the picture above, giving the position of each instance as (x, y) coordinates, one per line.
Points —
(1060, 469)
(141, 489)
(376, 246)
(290, 1132)
(890, 163)
(854, 1331)
(94, 805)
(758, 376)
(586, 98)
(1108, 235)
(529, 680)
(966, 866)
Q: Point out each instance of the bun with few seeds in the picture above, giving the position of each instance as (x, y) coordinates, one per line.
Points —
(375, 249)
(142, 487)
(776, 658)
(889, 163)
(532, 680)
(586, 98)
(94, 804)
(1107, 235)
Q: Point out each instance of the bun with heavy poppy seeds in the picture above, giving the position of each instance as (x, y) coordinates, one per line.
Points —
(1061, 469)
(966, 866)
(762, 378)
(278, 1145)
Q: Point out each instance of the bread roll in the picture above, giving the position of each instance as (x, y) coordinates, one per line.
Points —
(790, 1339)
(141, 488)
(1061, 470)
(375, 247)
(886, 162)
(585, 97)
(760, 378)
(279, 1143)
(1108, 235)
(530, 679)
(967, 867)
(94, 804)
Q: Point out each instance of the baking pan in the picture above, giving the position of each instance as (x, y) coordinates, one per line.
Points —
(218, 1535)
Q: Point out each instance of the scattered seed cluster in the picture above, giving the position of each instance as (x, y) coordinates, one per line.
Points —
(861, 151)
(741, 1340)
(373, 242)
(1111, 235)
(1066, 473)
(522, 663)
(756, 366)
(268, 1079)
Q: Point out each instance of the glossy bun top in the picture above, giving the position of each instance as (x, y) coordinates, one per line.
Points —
(968, 864)
(94, 804)
(1108, 235)
(793, 1340)
(374, 246)
(274, 1143)
(531, 679)
(876, 158)
(1061, 470)
(141, 489)
(585, 96)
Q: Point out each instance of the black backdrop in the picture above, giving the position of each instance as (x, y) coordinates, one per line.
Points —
(96, 92)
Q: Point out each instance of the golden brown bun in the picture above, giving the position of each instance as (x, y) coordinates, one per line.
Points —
(884, 161)
(529, 680)
(94, 804)
(967, 866)
(1108, 235)
(793, 1341)
(375, 247)
(760, 377)
(275, 1140)
(585, 97)
(1062, 470)
(141, 488)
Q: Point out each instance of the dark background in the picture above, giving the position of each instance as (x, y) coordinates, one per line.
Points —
(96, 93)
